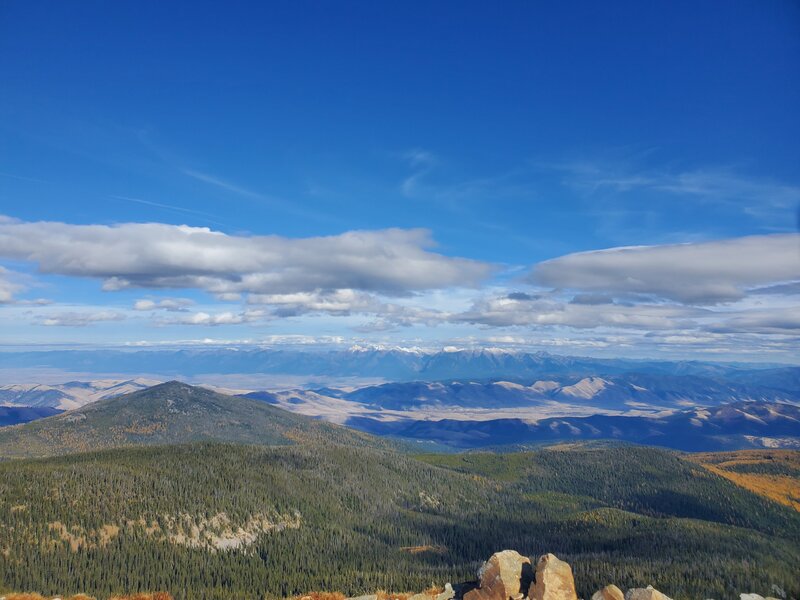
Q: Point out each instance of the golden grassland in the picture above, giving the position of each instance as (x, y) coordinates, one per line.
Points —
(780, 481)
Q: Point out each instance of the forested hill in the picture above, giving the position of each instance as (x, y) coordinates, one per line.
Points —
(171, 412)
(235, 521)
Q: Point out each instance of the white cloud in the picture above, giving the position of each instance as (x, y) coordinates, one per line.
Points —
(552, 312)
(78, 319)
(168, 304)
(389, 315)
(219, 318)
(343, 301)
(155, 255)
(782, 320)
(699, 273)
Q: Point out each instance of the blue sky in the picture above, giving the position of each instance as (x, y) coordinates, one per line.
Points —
(512, 133)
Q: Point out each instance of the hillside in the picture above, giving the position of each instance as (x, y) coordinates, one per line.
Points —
(725, 427)
(232, 521)
(774, 474)
(172, 412)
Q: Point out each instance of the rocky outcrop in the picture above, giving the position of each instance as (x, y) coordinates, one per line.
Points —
(610, 592)
(508, 575)
(505, 575)
(648, 593)
(553, 580)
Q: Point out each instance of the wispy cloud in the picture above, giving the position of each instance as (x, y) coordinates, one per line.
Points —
(225, 185)
(756, 196)
(281, 204)
(422, 163)
(171, 207)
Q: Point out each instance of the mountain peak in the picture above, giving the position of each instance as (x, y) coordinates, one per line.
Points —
(174, 386)
(171, 412)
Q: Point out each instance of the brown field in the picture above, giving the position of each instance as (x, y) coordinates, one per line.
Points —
(783, 488)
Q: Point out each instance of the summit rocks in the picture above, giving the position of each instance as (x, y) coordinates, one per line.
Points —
(505, 575)
(508, 575)
(553, 581)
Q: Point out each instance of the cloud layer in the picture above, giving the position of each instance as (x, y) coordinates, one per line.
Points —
(704, 273)
(155, 255)
(734, 295)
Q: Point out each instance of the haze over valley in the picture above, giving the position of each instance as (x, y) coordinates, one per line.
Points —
(351, 300)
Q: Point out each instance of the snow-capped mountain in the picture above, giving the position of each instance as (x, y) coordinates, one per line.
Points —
(387, 363)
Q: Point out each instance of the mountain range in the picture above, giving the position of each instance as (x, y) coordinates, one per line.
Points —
(174, 412)
(390, 364)
(727, 426)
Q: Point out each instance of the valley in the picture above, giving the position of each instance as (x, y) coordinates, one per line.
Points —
(530, 399)
(206, 495)
(331, 517)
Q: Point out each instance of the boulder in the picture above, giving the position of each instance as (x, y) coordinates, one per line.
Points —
(448, 594)
(505, 575)
(553, 580)
(610, 592)
(648, 593)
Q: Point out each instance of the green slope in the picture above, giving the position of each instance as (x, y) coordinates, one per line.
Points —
(338, 516)
(172, 412)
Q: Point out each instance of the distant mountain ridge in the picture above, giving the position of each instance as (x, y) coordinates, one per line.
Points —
(728, 426)
(392, 364)
(73, 394)
(616, 392)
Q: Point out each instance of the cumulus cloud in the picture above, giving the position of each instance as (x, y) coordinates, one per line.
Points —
(551, 312)
(343, 302)
(168, 304)
(219, 318)
(388, 315)
(698, 273)
(155, 255)
(78, 319)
